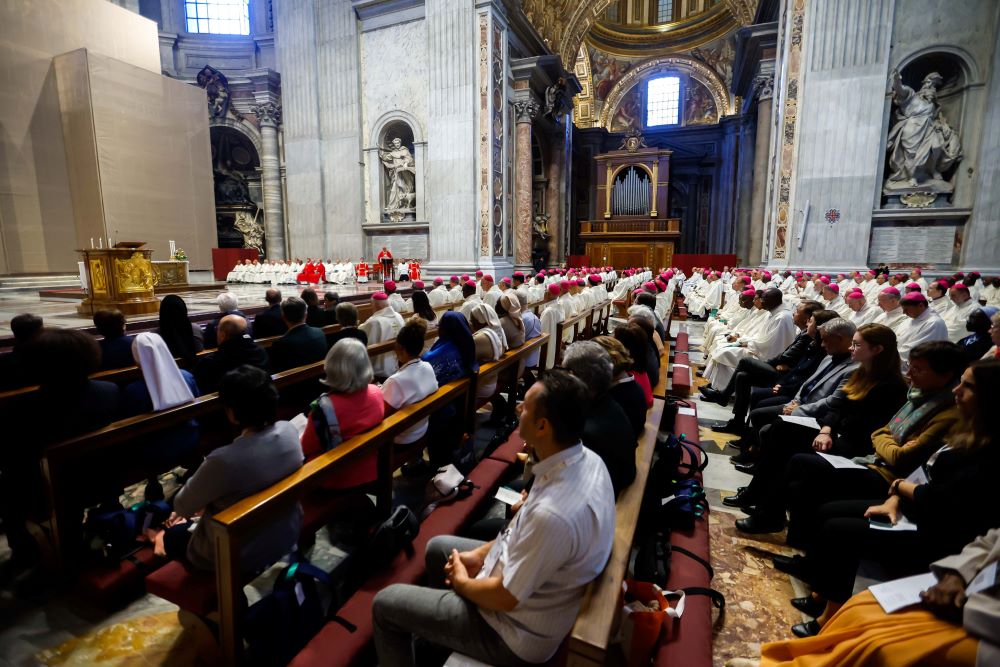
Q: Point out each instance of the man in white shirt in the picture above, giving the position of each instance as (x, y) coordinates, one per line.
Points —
(892, 315)
(513, 600)
(862, 312)
(383, 325)
(922, 325)
(957, 315)
(413, 381)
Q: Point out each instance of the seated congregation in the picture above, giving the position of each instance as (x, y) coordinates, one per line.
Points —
(869, 433)
(327, 414)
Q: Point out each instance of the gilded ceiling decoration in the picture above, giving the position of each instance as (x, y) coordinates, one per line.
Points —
(563, 24)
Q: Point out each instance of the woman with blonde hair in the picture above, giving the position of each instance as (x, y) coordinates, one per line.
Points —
(624, 388)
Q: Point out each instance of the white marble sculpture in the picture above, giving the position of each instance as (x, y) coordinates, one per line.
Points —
(401, 173)
(922, 145)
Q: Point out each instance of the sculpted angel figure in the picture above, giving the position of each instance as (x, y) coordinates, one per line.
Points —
(401, 170)
(922, 145)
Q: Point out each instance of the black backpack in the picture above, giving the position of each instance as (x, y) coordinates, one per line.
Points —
(109, 533)
(652, 564)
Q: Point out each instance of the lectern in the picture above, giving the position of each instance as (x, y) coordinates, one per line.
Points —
(121, 277)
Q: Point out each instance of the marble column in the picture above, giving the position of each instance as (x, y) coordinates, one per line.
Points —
(554, 195)
(762, 150)
(525, 111)
(269, 115)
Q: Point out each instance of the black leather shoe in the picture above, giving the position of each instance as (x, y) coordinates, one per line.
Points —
(742, 458)
(807, 629)
(742, 499)
(706, 390)
(713, 396)
(809, 605)
(793, 565)
(746, 468)
(733, 427)
(756, 524)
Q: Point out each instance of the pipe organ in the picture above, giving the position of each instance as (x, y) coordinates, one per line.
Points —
(631, 193)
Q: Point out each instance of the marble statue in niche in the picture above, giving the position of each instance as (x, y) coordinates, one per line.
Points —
(253, 231)
(922, 145)
(400, 191)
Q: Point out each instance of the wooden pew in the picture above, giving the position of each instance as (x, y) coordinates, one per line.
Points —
(599, 613)
(233, 526)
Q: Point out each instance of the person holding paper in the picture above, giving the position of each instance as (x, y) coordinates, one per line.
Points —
(811, 398)
(951, 502)
(900, 447)
(872, 394)
(957, 622)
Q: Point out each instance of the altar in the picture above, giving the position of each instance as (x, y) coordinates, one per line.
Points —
(631, 195)
(121, 277)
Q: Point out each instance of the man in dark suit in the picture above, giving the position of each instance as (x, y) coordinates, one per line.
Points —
(347, 318)
(236, 348)
(15, 371)
(116, 347)
(315, 315)
(269, 322)
(302, 344)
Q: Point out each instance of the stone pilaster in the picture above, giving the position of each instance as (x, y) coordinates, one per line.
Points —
(525, 111)
(762, 149)
(269, 116)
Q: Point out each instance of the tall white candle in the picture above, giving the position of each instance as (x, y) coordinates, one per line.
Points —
(100, 241)
(91, 242)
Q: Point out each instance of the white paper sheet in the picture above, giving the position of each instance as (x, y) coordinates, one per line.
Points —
(690, 412)
(841, 462)
(902, 524)
(808, 422)
(507, 495)
(894, 595)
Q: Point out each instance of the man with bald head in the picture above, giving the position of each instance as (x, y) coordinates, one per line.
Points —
(236, 348)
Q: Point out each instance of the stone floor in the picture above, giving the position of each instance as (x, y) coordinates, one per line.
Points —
(58, 628)
(61, 312)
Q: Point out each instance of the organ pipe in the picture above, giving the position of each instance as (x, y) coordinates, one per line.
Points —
(631, 193)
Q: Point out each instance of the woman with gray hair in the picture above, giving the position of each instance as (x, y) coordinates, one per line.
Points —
(607, 431)
(352, 406)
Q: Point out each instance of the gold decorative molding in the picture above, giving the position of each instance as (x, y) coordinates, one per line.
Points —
(644, 70)
(135, 274)
(98, 281)
(664, 39)
(583, 103)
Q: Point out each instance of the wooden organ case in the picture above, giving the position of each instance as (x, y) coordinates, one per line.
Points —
(632, 186)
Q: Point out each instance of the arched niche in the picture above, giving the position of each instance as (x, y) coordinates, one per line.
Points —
(955, 96)
(236, 181)
(703, 80)
(405, 127)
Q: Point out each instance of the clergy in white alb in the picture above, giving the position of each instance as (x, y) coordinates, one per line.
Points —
(892, 315)
(862, 312)
(958, 313)
(922, 325)
(383, 325)
(707, 297)
(774, 336)
(831, 301)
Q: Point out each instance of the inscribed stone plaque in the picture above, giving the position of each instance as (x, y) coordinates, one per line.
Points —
(925, 245)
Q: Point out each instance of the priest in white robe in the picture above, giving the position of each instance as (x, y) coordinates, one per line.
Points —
(708, 298)
(958, 313)
(551, 316)
(862, 312)
(384, 324)
(439, 295)
(831, 300)
(773, 337)
(892, 315)
(922, 325)
(470, 300)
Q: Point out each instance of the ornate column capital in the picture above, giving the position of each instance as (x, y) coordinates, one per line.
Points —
(764, 85)
(268, 113)
(526, 110)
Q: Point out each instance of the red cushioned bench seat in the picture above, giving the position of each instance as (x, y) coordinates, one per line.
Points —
(190, 589)
(508, 451)
(680, 375)
(106, 585)
(681, 342)
(334, 644)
